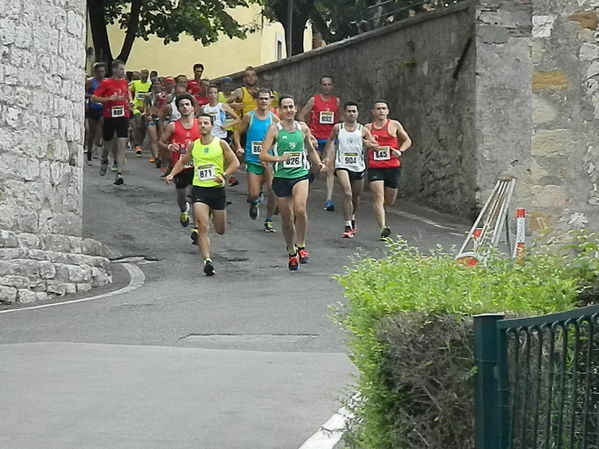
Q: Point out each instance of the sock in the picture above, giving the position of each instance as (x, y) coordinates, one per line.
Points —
(268, 219)
(292, 252)
(207, 259)
(301, 245)
(348, 223)
(353, 223)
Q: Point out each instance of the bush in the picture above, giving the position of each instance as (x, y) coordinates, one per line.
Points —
(410, 335)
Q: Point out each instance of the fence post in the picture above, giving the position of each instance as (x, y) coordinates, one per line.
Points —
(486, 400)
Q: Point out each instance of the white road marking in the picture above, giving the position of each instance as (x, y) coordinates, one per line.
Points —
(137, 279)
(421, 219)
(329, 433)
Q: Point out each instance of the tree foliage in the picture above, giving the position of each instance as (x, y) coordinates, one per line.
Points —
(203, 20)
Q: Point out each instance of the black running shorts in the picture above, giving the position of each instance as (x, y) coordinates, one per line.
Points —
(353, 175)
(390, 176)
(214, 197)
(184, 179)
(283, 187)
(120, 125)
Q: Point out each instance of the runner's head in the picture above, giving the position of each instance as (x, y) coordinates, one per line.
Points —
(180, 89)
(326, 84)
(226, 85)
(181, 79)
(351, 111)
(156, 85)
(205, 124)
(287, 107)
(118, 69)
(145, 74)
(99, 70)
(184, 103)
(135, 76)
(380, 110)
(264, 95)
(169, 84)
(249, 76)
(213, 94)
(204, 87)
(198, 70)
(153, 74)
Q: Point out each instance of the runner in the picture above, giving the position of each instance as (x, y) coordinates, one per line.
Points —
(176, 138)
(323, 112)
(290, 181)
(226, 89)
(152, 114)
(194, 86)
(114, 94)
(244, 98)
(139, 89)
(168, 114)
(256, 124)
(349, 162)
(384, 164)
(219, 112)
(213, 162)
(93, 111)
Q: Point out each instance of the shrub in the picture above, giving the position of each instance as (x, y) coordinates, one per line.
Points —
(410, 336)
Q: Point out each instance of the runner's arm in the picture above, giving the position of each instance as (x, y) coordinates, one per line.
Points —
(341, 117)
(329, 149)
(312, 153)
(231, 161)
(88, 86)
(165, 138)
(183, 160)
(402, 135)
(271, 135)
(235, 99)
(239, 130)
(367, 138)
(305, 112)
(236, 120)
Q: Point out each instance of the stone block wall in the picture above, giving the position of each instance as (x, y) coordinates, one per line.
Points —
(42, 56)
(424, 68)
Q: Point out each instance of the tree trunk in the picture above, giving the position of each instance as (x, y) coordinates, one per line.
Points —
(131, 30)
(97, 24)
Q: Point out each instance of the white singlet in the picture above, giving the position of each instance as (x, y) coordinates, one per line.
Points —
(218, 115)
(350, 149)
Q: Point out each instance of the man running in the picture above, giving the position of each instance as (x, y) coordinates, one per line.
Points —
(384, 163)
(152, 114)
(256, 123)
(194, 86)
(348, 157)
(176, 138)
(244, 98)
(322, 110)
(93, 111)
(114, 94)
(290, 182)
(219, 112)
(139, 89)
(213, 161)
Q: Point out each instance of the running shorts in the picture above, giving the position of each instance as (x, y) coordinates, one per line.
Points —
(390, 176)
(254, 168)
(283, 187)
(111, 125)
(214, 197)
(184, 179)
(94, 114)
(353, 175)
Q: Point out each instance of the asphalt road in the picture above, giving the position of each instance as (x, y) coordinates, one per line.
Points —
(248, 358)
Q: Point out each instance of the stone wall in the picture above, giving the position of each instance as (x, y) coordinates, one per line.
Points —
(42, 55)
(424, 68)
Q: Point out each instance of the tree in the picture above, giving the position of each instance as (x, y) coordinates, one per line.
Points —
(301, 11)
(203, 20)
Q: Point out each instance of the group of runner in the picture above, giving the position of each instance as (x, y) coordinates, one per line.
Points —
(198, 135)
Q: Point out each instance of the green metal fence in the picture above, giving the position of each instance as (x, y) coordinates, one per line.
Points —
(538, 381)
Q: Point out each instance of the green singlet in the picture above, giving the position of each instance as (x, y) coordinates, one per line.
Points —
(293, 143)
(208, 163)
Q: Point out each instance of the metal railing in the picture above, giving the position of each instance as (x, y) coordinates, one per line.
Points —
(538, 381)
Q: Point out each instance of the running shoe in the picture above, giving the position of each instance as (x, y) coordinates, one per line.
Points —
(303, 255)
(138, 151)
(103, 167)
(114, 167)
(294, 262)
(233, 181)
(194, 236)
(152, 160)
(254, 210)
(88, 153)
(328, 205)
(158, 163)
(385, 232)
(184, 217)
(208, 268)
(96, 151)
(119, 180)
(348, 233)
(268, 227)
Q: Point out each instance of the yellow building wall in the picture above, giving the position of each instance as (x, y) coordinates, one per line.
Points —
(224, 57)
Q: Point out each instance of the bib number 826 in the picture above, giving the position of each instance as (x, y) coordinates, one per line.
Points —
(294, 161)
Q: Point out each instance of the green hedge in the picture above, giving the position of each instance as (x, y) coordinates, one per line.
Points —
(408, 317)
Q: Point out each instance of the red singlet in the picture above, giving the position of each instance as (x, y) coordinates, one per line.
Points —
(383, 157)
(117, 108)
(183, 137)
(323, 116)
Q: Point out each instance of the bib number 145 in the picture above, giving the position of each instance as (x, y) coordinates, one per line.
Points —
(382, 154)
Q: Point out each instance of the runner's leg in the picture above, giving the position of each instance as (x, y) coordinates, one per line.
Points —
(201, 216)
(377, 188)
(300, 198)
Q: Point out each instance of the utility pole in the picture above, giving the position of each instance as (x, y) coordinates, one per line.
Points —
(289, 26)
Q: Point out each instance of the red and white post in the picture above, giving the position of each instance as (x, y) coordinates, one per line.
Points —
(520, 234)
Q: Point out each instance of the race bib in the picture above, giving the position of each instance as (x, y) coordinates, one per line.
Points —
(382, 154)
(212, 117)
(351, 158)
(141, 95)
(327, 118)
(206, 172)
(294, 161)
(117, 111)
(256, 147)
